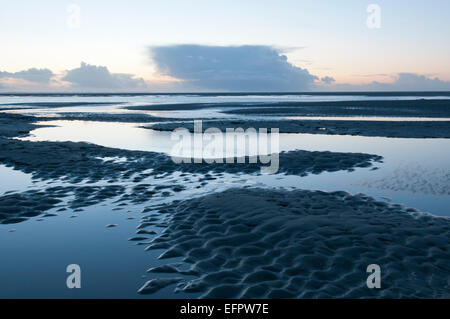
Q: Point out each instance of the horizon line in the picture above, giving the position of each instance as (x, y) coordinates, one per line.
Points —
(235, 93)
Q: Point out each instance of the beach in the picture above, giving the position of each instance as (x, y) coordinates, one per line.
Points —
(360, 179)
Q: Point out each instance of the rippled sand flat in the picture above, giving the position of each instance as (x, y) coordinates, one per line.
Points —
(259, 243)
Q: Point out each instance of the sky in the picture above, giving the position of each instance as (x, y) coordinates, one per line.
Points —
(228, 45)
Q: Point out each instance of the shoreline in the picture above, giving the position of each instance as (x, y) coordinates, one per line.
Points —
(414, 129)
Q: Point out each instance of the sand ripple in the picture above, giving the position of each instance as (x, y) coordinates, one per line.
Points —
(259, 243)
(414, 179)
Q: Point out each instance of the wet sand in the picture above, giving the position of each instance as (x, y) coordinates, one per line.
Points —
(411, 129)
(418, 108)
(258, 243)
(246, 242)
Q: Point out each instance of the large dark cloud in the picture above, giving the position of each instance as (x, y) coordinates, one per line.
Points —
(231, 68)
(403, 82)
(98, 77)
(31, 75)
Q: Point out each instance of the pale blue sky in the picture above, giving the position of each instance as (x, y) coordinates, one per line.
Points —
(328, 38)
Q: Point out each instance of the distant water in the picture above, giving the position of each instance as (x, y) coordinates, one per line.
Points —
(159, 98)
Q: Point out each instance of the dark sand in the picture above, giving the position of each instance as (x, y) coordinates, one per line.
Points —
(411, 129)
(420, 108)
(399, 108)
(259, 243)
(14, 125)
(108, 117)
(27, 105)
(19, 207)
(75, 162)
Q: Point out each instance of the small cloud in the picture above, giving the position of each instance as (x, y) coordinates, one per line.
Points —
(288, 49)
(30, 75)
(402, 82)
(412, 81)
(327, 79)
(98, 77)
(231, 68)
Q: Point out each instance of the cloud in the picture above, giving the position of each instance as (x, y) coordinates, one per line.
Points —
(30, 75)
(417, 82)
(203, 68)
(98, 77)
(231, 68)
(402, 82)
(327, 79)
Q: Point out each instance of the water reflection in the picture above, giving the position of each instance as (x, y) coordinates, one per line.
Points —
(415, 172)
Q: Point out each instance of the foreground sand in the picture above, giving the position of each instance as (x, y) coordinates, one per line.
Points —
(260, 243)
